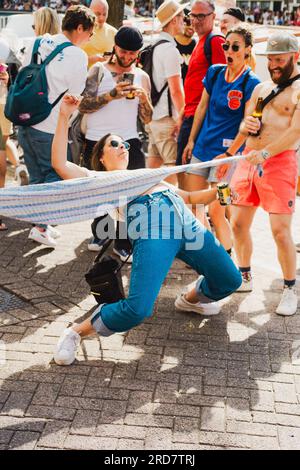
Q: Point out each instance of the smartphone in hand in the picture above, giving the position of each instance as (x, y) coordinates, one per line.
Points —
(129, 77)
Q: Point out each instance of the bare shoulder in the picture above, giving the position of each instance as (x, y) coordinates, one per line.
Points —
(264, 88)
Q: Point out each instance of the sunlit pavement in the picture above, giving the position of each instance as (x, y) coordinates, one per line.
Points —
(178, 381)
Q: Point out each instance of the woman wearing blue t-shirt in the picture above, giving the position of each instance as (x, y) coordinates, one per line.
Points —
(227, 90)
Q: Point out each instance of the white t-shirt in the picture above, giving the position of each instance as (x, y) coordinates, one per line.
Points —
(67, 71)
(166, 63)
(118, 116)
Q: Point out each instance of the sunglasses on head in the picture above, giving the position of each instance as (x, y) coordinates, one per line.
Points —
(116, 144)
(234, 47)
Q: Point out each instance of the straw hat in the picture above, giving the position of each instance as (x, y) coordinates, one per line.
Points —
(168, 10)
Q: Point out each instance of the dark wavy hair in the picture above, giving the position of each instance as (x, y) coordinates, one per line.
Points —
(244, 31)
(97, 154)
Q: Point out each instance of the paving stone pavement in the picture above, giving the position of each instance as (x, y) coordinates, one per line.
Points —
(178, 381)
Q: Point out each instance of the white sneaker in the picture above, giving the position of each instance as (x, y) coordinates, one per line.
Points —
(21, 175)
(53, 232)
(247, 283)
(42, 237)
(288, 303)
(212, 308)
(66, 348)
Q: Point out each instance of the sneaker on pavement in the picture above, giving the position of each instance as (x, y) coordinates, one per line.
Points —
(247, 283)
(95, 244)
(66, 348)
(123, 254)
(45, 238)
(22, 175)
(53, 232)
(212, 308)
(288, 303)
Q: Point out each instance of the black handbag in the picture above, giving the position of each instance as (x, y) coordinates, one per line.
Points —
(104, 278)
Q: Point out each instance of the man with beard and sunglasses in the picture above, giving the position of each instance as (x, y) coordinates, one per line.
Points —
(186, 43)
(268, 176)
(113, 112)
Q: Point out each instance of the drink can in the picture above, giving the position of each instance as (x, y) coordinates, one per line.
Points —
(224, 194)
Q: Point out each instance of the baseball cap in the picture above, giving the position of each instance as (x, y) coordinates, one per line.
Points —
(129, 38)
(281, 43)
(236, 13)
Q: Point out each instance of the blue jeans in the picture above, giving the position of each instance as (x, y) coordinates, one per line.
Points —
(37, 156)
(181, 236)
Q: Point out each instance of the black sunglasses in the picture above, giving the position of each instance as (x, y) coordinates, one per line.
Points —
(116, 144)
(200, 16)
(234, 47)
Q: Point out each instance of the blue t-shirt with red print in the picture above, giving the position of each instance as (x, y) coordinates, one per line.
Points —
(225, 111)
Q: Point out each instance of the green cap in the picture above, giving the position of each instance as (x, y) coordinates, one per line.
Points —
(281, 43)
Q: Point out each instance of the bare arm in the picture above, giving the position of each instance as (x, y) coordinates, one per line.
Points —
(145, 106)
(197, 123)
(198, 197)
(176, 92)
(91, 102)
(65, 169)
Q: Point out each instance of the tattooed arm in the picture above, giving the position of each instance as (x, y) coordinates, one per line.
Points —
(91, 102)
(145, 105)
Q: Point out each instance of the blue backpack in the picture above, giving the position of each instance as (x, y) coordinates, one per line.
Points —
(27, 100)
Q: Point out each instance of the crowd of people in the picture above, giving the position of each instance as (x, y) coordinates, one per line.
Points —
(198, 102)
(257, 14)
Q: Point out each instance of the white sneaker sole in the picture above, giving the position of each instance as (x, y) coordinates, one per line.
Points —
(187, 308)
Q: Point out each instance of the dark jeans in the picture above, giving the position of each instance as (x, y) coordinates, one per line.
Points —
(183, 137)
(136, 160)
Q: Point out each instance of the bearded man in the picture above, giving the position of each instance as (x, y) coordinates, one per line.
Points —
(268, 177)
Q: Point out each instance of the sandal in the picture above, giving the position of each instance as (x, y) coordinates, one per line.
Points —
(3, 227)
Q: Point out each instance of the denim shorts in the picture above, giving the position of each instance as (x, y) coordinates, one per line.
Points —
(210, 173)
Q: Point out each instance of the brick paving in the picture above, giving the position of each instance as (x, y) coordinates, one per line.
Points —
(178, 381)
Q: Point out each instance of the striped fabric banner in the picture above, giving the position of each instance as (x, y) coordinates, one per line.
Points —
(79, 199)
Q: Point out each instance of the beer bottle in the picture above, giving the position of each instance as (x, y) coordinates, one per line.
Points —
(257, 113)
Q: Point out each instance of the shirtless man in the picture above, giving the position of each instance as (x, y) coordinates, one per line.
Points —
(274, 149)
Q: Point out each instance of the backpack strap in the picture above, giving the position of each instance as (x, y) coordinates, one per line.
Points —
(216, 74)
(207, 45)
(56, 51)
(48, 59)
(162, 41)
(104, 248)
(278, 90)
(244, 83)
(35, 48)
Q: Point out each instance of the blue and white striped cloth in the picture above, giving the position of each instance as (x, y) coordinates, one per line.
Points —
(79, 199)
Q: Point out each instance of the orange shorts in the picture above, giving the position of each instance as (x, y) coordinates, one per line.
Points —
(275, 190)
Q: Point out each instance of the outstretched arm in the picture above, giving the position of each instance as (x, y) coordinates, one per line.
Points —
(65, 169)
(204, 197)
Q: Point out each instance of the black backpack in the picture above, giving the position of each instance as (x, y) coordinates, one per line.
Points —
(146, 63)
(207, 46)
